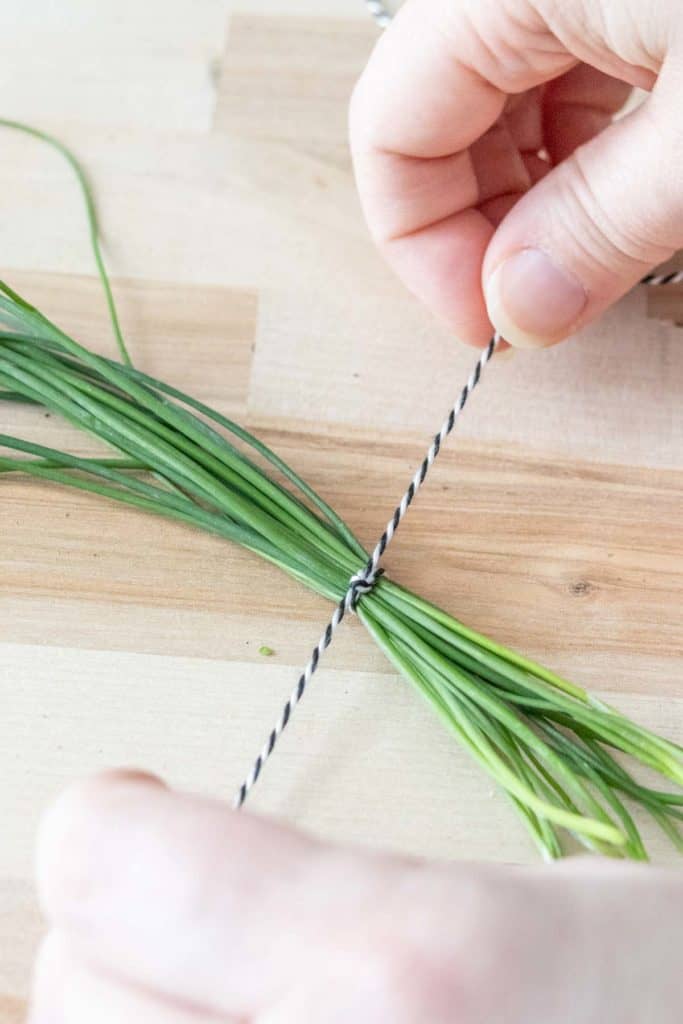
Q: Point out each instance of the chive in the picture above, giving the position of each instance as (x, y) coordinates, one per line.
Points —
(91, 214)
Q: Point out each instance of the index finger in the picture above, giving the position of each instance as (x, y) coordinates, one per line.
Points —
(183, 897)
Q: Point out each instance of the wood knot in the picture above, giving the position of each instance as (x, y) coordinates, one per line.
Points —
(581, 587)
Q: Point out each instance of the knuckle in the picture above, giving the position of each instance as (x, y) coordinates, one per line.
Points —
(614, 235)
(512, 42)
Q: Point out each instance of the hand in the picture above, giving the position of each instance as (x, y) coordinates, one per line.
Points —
(489, 169)
(169, 909)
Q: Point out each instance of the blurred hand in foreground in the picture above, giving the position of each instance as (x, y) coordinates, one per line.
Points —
(169, 909)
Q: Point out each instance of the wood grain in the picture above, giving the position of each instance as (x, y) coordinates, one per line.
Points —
(289, 79)
(245, 274)
(11, 1010)
(666, 303)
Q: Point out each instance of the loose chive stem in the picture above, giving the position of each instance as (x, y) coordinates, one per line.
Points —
(91, 214)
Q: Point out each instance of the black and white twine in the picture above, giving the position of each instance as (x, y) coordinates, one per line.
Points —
(378, 12)
(364, 581)
(671, 277)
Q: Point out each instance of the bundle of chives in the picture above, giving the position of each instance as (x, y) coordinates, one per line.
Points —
(550, 746)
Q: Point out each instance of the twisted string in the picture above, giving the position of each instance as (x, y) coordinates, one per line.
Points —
(378, 12)
(673, 277)
(363, 582)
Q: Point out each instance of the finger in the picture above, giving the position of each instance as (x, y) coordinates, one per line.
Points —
(187, 899)
(441, 74)
(578, 106)
(611, 210)
(68, 991)
(47, 997)
(339, 1001)
(381, 993)
(93, 998)
(586, 233)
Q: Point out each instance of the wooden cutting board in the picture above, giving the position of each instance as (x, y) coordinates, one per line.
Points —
(245, 274)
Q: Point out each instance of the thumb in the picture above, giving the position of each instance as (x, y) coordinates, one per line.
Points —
(586, 233)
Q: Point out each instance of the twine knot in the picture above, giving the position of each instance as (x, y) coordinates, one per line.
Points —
(361, 583)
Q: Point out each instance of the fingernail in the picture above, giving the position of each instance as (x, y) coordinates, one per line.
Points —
(532, 301)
